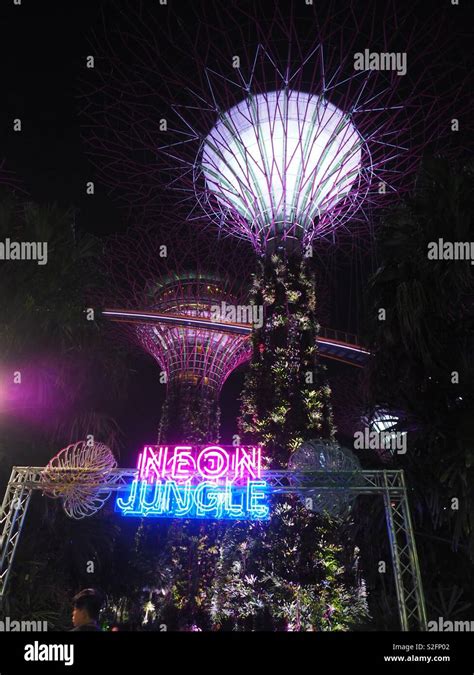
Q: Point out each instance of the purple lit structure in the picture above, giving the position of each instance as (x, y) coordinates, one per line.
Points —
(277, 120)
(278, 162)
(265, 121)
(183, 287)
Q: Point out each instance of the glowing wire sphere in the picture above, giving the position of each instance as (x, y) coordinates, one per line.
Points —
(386, 424)
(77, 474)
(327, 456)
(280, 160)
(382, 420)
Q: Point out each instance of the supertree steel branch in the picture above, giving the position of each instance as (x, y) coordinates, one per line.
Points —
(190, 286)
(10, 181)
(265, 117)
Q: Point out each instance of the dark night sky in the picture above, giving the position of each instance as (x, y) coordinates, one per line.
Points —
(44, 45)
(43, 48)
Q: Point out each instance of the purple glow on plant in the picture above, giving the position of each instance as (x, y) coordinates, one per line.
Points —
(281, 159)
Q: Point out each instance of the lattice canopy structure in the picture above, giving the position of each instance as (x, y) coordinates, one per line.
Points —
(288, 120)
(198, 286)
(201, 356)
(278, 161)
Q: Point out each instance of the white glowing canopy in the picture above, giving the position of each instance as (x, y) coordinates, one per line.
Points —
(281, 159)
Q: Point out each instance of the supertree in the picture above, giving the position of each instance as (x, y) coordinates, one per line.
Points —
(286, 130)
(173, 295)
(9, 181)
(289, 144)
(159, 288)
(167, 78)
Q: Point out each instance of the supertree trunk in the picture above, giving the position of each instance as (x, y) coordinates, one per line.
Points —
(186, 550)
(189, 551)
(190, 412)
(286, 398)
(288, 573)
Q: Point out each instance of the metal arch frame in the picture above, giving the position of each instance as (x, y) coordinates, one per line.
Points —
(12, 516)
(388, 483)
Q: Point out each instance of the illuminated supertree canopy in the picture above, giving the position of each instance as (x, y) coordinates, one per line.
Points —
(279, 121)
(205, 356)
(280, 160)
(184, 286)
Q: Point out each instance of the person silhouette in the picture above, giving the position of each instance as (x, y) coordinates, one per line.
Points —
(86, 609)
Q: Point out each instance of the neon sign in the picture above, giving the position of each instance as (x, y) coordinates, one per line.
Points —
(205, 481)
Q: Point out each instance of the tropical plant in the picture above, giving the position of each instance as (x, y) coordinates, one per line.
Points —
(423, 362)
